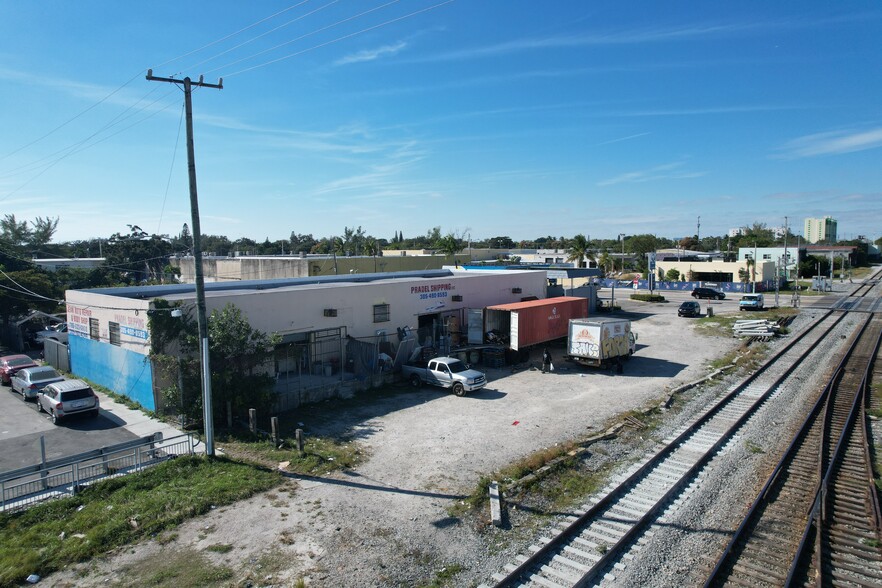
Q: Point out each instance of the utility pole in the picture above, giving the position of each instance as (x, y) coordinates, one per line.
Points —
(785, 249)
(698, 230)
(201, 318)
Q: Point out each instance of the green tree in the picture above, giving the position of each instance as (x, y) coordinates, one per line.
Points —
(240, 357)
(673, 275)
(579, 250)
(138, 256)
(449, 245)
(605, 261)
(640, 245)
(301, 243)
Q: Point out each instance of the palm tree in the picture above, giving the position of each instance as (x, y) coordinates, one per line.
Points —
(372, 248)
(449, 246)
(579, 249)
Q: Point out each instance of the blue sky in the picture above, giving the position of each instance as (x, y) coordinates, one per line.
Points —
(488, 118)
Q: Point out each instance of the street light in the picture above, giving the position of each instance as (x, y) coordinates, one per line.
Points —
(622, 239)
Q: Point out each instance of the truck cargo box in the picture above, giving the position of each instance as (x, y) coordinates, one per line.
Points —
(535, 321)
(596, 341)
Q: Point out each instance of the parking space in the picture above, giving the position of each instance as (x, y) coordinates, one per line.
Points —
(22, 426)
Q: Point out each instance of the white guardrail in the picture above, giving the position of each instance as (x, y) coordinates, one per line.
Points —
(26, 486)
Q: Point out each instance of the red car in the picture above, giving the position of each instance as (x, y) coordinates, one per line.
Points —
(10, 364)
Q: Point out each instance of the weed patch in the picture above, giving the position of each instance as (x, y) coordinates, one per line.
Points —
(321, 455)
(444, 576)
(753, 447)
(100, 517)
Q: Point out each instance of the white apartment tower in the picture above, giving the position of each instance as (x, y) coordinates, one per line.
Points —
(820, 230)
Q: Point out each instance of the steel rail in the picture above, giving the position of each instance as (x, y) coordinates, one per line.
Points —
(748, 522)
(555, 545)
(819, 516)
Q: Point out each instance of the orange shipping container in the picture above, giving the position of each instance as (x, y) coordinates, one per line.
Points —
(536, 321)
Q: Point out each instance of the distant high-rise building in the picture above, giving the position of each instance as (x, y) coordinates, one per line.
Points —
(820, 230)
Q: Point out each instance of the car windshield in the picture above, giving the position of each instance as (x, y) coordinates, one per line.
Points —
(46, 374)
(749, 298)
(457, 366)
(18, 362)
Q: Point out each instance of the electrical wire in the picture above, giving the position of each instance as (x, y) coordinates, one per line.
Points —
(338, 39)
(171, 168)
(79, 147)
(301, 37)
(231, 35)
(31, 166)
(73, 118)
(252, 39)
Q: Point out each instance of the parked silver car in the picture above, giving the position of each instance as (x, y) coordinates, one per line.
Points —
(57, 332)
(70, 397)
(30, 381)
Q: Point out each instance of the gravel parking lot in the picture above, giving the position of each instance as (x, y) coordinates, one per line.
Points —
(387, 522)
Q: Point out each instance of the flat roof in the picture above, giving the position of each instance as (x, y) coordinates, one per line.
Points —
(534, 303)
(181, 290)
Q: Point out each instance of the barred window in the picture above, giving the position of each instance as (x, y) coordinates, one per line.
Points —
(381, 313)
(94, 333)
(114, 333)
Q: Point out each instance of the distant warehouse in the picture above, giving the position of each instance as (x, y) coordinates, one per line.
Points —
(333, 329)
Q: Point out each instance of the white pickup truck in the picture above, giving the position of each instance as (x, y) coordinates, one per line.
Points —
(447, 372)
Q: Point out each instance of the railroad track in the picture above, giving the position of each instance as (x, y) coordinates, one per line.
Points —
(591, 544)
(825, 476)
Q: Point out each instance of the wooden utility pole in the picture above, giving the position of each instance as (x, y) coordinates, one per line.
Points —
(201, 318)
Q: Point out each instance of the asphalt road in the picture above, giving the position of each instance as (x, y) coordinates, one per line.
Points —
(21, 427)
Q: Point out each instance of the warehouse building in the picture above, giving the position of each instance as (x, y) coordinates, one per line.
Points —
(334, 330)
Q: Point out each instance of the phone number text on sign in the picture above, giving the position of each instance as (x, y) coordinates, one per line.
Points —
(433, 295)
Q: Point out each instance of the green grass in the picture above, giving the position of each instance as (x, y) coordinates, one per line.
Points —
(444, 576)
(753, 447)
(121, 511)
(321, 455)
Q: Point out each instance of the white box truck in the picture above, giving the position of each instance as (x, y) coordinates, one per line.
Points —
(599, 342)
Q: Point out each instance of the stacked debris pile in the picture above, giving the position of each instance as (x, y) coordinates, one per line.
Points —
(757, 330)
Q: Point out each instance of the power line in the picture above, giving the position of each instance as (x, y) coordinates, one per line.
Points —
(303, 36)
(73, 118)
(252, 39)
(171, 168)
(231, 35)
(79, 147)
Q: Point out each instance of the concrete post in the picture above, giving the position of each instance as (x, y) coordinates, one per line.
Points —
(274, 422)
(298, 434)
(252, 420)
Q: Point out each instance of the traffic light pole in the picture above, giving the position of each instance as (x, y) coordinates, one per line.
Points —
(201, 318)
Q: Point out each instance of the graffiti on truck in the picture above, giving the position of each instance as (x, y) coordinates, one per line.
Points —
(616, 346)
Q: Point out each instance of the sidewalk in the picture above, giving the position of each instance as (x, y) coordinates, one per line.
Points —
(138, 423)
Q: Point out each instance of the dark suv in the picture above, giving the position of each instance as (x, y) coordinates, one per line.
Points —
(689, 308)
(708, 293)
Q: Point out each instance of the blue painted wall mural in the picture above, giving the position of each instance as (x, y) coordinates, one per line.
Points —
(125, 372)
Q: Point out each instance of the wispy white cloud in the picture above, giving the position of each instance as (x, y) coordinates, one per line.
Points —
(627, 37)
(831, 143)
(371, 54)
(620, 139)
(667, 171)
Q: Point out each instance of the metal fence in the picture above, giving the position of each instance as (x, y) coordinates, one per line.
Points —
(26, 486)
(57, 355)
